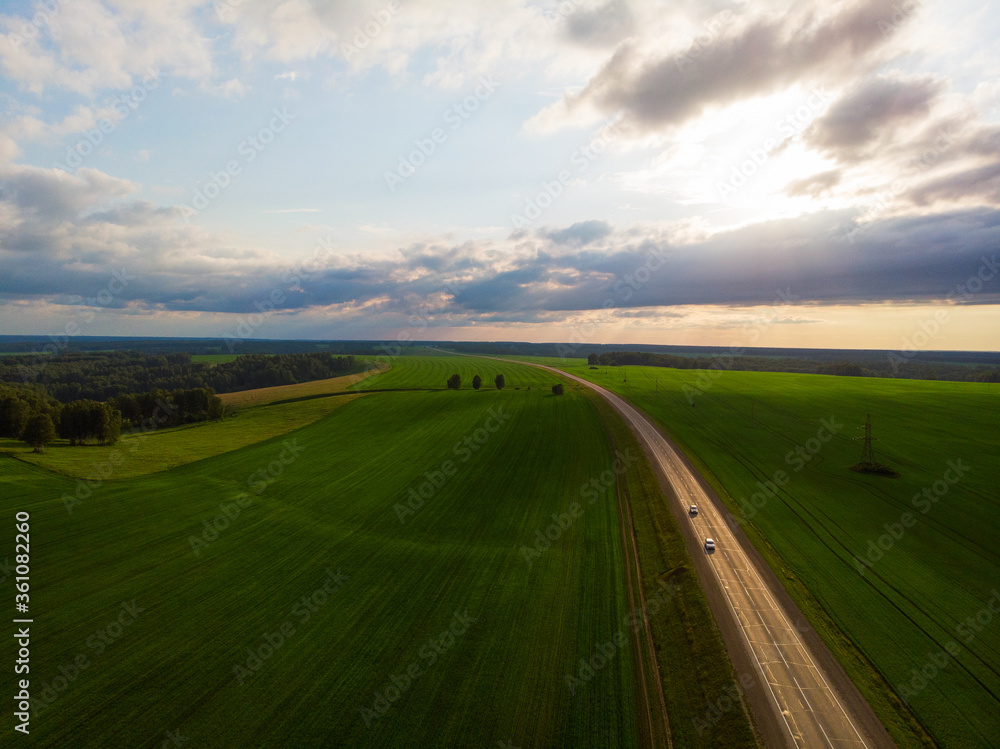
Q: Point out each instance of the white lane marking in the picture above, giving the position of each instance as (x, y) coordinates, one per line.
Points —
(671, 459)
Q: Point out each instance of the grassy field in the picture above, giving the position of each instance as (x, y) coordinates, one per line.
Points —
(288, 393)
(694, 667)
(424, 372)
(261, 414)
(898, 564)
(213, 358)
(434, 631)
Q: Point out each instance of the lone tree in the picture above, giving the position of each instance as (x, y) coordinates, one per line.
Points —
(500, 382)
(476, 382)
(557, 389)
(455, 381)
(39, 431)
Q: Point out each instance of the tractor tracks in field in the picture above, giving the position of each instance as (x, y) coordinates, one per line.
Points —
(655, 711)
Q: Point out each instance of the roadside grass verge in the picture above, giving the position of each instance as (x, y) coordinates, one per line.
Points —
(694, 665)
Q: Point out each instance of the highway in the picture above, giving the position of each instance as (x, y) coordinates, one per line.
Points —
(810, 712)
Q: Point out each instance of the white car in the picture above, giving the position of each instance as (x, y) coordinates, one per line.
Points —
(693, 510)
(709, 545)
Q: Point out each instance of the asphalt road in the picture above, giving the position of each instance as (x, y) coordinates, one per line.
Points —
(807, 710)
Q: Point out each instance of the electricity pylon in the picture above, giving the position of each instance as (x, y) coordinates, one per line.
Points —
(867, 452)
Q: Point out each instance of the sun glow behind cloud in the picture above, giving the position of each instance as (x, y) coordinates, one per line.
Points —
(842, 150)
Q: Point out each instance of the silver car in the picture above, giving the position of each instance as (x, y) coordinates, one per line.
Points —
(709, 545)
(693, 510)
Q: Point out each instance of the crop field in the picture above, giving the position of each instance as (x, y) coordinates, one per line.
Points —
(288, 393)
(285, 593)
(908, 567)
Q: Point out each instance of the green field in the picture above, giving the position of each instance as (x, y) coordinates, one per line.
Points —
(910, 605)
(162, 449)
(171, 667)
(213, 358)
(257, 415)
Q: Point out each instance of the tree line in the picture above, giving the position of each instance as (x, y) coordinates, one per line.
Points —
(30, 416)
(743, 363)
(106, 374)
(91, 397)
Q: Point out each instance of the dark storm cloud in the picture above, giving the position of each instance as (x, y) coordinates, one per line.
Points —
(761, 57)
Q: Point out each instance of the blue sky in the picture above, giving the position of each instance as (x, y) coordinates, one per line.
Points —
(729, 173)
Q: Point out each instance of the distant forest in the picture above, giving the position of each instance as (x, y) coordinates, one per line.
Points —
(870, 368)
(104, 375)
(92, 397)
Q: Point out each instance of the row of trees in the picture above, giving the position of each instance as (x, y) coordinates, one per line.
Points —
(36, 419)
(887, 367)
(107, 374)
(28, 415)
(166, 408)
(90, 421)
(455, 382)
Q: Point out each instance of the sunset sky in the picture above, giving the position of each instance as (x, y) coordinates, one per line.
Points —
(694, 172)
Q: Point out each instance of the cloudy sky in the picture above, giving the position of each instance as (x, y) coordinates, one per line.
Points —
(697, 171)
